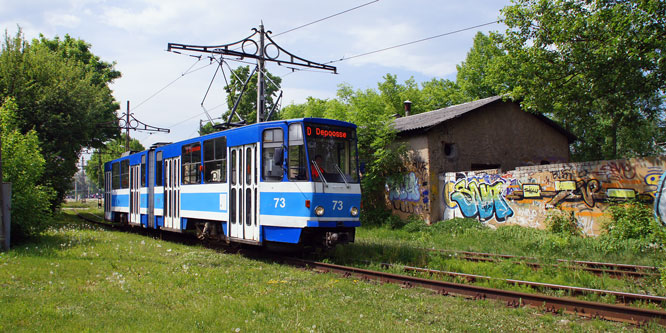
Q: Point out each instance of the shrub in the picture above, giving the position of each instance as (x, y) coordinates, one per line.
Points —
(560, 222)
(415, 224)
(457, 225)
(633, 220)
(23, 166)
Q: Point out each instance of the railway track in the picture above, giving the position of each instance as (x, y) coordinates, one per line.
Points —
(599, 268)
(614, 312)
(622, 297)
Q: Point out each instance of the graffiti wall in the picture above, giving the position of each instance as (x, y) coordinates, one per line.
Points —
(524, 196)
(410, 195)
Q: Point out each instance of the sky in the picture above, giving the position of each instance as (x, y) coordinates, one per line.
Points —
(135, 34)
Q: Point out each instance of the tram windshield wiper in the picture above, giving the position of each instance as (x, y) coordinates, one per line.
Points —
(321, 174)
(344, 178)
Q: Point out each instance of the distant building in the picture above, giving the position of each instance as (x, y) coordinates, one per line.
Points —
(485, 134)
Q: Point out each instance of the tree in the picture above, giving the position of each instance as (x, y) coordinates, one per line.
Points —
(62, 92)
(440, 93)
(110, 151)
(23, 165)
(595, 66)
(473, 76)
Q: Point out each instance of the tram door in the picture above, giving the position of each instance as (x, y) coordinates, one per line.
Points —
(243, 193)
(107, 195)
(172, 193)
(135, 194)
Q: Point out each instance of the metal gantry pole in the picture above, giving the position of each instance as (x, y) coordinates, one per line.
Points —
(127, 128)
(260, 76)
(243, 49)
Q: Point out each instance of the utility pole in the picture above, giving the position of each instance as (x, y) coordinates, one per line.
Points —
(261, 102)
(127, 128)
(84, 185)
(128, 122)
(266, 50)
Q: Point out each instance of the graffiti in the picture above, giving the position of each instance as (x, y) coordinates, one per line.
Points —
(584, 190)
(410, 195)
(660, 201)
(481, 200)
(524, 195)
(652, 180)
(568, 174)
(531, 190)
(408, 191)
(586, 225)
(527, 217)
(618, 170)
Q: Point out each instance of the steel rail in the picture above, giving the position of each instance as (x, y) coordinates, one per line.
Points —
(623, 296)
(591, 266)
(553, 304)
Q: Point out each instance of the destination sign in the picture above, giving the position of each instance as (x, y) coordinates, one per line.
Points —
(323, 131)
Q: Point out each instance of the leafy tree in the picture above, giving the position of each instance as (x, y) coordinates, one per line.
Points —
(473, 76)
(61, 92)
(23, 166)
(440, 93)
(110, 151)
(596, 66)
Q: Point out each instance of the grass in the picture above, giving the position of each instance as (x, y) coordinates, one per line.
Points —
(80, 278)
(406, 247)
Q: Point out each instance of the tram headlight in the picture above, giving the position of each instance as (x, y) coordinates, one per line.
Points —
(354, 211)
(319, 210)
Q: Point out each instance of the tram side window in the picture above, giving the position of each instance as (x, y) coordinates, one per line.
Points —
(191, 163)
(115, 175)
(124, 174)
(158, 169)
(215, 160)
(143, 171)
(272, 155)
(297, 163)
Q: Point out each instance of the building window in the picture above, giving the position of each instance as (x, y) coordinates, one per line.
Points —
(215, 160)
(191, 163)
(450, 150)
(272, 154)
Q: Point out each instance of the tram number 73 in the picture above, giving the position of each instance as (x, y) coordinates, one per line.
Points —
(337, 205)
(279, 202)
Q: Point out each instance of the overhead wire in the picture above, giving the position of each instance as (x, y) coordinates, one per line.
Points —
(413, 42)
(325, 18)
(170, 83)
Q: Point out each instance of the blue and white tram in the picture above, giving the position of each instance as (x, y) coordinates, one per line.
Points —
(292, 181)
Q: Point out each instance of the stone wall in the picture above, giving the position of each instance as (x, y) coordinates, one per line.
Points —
(525, 195)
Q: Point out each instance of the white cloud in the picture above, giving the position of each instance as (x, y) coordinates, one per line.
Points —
(61, 19)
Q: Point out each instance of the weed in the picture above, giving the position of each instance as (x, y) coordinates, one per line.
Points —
(634, 223)
(560, 222)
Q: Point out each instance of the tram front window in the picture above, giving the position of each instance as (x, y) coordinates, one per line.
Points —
(332, 153)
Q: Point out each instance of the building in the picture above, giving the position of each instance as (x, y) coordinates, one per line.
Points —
(490, 133)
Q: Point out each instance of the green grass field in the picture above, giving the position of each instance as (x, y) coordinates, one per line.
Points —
(81, 278)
